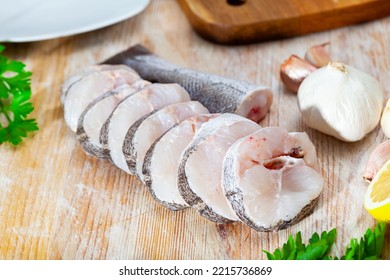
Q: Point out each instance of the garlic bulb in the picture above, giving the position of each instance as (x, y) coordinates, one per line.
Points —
(341, 101)
(385, 120)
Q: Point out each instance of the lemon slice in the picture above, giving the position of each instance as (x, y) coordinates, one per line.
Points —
(377, 199)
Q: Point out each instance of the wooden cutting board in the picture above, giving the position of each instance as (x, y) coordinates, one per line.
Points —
(58, 203)
(247, 21)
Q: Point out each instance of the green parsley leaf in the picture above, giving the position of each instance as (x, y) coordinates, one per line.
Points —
(294, 249)
(368, 247)
(15, 93)
(318, 247)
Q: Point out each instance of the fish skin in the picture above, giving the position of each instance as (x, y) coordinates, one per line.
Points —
(148, 180)
(218, 94)
(128, 147)
(195, 201)
(90, 148)
(82, 136)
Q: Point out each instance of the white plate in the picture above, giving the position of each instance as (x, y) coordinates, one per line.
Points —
(33, 20)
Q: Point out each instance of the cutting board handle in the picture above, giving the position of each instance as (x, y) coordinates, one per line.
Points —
(248, 21)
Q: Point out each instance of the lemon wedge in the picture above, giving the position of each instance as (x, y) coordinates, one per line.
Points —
(377, 199)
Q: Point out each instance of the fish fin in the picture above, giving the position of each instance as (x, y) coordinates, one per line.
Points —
(130, 53)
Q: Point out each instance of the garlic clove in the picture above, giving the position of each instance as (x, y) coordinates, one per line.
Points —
(341, 101)
(385, 120)
(318, 55)
(379, 156)
(293, 71)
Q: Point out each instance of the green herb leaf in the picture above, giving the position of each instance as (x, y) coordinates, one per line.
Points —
(368, 247)
(15, 93)
(294, 249)
(318, 246)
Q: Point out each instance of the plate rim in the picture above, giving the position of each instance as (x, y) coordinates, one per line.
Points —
(74, 31)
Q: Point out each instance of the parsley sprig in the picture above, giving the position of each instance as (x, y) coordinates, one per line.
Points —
(15, 93)
(368, 247)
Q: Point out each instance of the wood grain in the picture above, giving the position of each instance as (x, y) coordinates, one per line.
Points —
(58, 203)
(256, 20)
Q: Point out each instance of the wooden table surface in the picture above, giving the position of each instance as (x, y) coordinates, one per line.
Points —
(58, 203)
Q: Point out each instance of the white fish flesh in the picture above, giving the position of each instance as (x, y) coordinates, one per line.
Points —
(271, 178)
(130, 110)
(88, 71)
(162, 161)
(140, 138)
(225, 166)
(85, 90)
(200, 169)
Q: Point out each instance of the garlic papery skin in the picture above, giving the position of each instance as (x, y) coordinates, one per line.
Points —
(341, 101)
(385, 120)
(318, 55)
(378, 157)
(293, 71)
